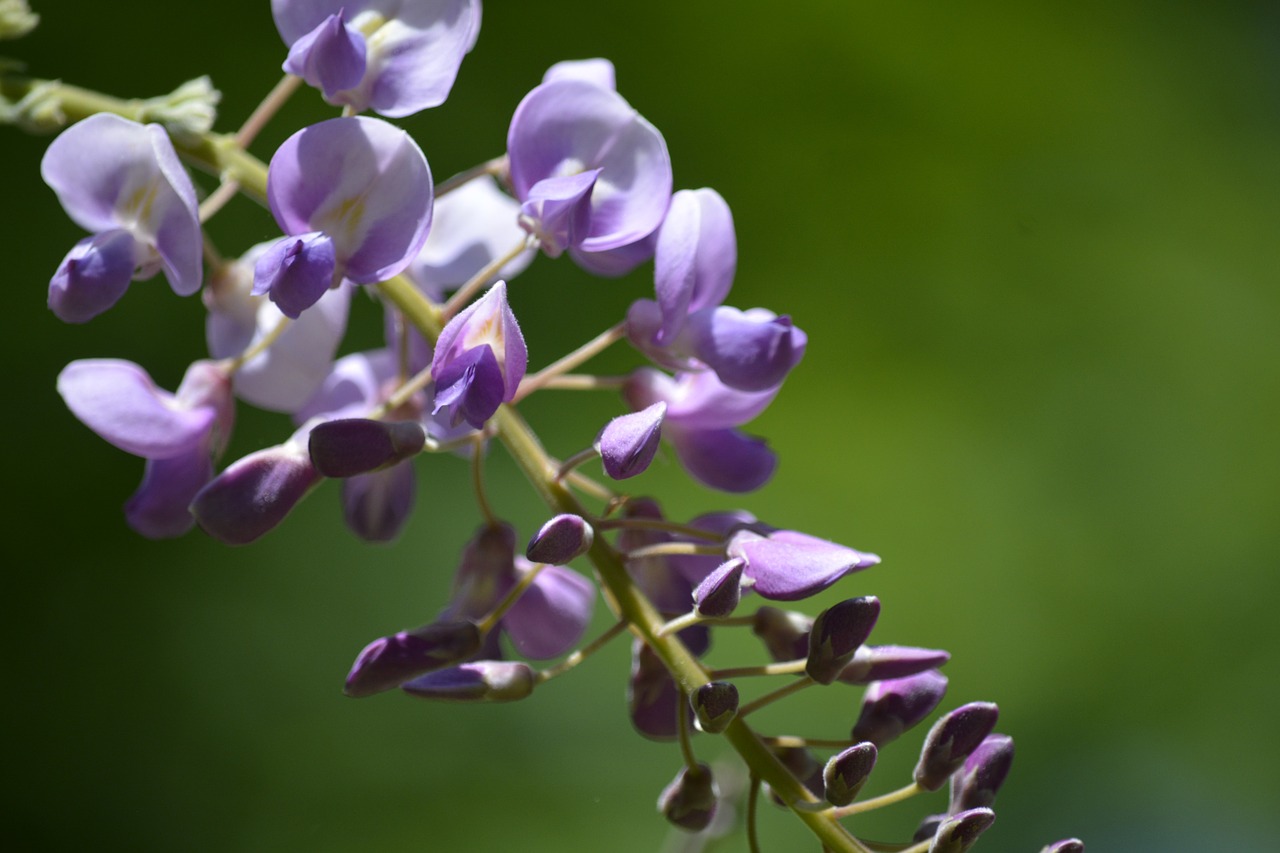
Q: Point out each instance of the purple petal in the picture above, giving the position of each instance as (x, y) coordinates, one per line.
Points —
(690, 801)
(976, 784)
(725, 459)
(464, 373)
(117, 400)
(719, 593)
(390, 661)
(560, 540)
(376, 506)
(557, 210)
(331, 57)
(653, 700)
(628, 443)
(477, 681)
(598, 72)
(254, 494)
(354, 386)
(296, 272)
(749, 350)
(788, 565)
(696, 400)
(552, 614)
(361, 181)
(472, 226)
(953, 737)
(567, 126)
(486, 571)
(877, 663)
(891, 707)
(93, 276)
(836, 635)
(847, 772)
(613, 263)
(158, 509)
(349, 446)
(696, 256)
(471, 387)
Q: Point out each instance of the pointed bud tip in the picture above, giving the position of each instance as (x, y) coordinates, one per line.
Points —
(560, 540)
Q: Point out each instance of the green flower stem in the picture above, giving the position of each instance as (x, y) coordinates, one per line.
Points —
(220, 155)
(903, 793)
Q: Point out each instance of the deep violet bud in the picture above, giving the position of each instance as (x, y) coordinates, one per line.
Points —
(715, 704)
(395, 58)
(690, 800)
(377, 505)
(628, 443)
(787, 565)
(254, 494)
(351, 446)
(1066, 845)
(391, 661)
(847, 772)
(479, 360)
(477, 681)
(891, 707)
(785, 633)
(836, 635)
(560, 540)
(719, 593)
(959, 832)
(356, 187)
(878, 663)
(976, 783)
(951, 740)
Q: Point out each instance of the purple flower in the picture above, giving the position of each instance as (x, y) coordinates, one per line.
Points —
(393, 56)
(562, 539)
(590, 172)
(178, 434)
(388, 662)
(695, 258)
(284, 376)
(480, 359)
(477, 681)
(892, 706)
(354, 196)
(786, 565)
(122, 181)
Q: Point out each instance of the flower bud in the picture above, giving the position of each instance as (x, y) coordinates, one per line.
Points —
(653, 700)
(1066, 845)
(16, 19)
(957, 833)
(976, 783)
(928, 827)
(891, 707)
(350, 446)
(628, 443)
(785, 633)
(390, 661)
(255, 493)
(846, 773)
(719, 593)
(951, 740)
(479, 360)
(715, 704)
(690, 800)
(836, 635)
(561, 540)
(878, 663)
(477, 681)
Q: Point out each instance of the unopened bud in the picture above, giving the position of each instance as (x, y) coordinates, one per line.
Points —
(561, 540)
(847, 772)
(785, 633)
(187, 112)
(391, 661)
(16, 19)
(958, 832)
(1066, 845)
(628, 443)
(836, 635)
(690, 800)
(254, 494)
(891, 707)
(951, 740)
(878, 663)
(928, 828)
(350, 446)
(975, 784)
(477, 681)
(715, 704)
(719, 593)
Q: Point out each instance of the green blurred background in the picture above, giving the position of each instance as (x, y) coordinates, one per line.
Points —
(1034, 247)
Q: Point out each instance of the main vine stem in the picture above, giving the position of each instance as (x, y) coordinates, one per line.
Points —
(221, 155)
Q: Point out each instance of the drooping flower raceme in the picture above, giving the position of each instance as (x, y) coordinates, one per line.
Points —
(355, 197)
(393, 56)
(590, 172)
(122, 181)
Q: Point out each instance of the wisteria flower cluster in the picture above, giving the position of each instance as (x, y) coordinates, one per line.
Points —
(584, 175)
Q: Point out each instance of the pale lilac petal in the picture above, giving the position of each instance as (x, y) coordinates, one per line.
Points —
(725, 459)
(330, 58)
(644, 327)
(695, 258)
(117, 400)
(361, 181)
(158, 509)
(748, 350)
(614, 263)
(553, 613)
(296, 271)
(598, 72)
(476, 681)
(697, 400)
(787, 565)
(470, 386)
(472, 226)
(354, 386)
(93, 276)
(376, 506)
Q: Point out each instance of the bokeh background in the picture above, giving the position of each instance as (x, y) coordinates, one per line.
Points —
(1035, 249)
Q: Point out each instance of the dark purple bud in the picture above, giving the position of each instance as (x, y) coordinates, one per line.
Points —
(350, 446)
(803, 766)
(331, 57)
(975, 784)
(958, 832)
(477, 681)
(891, 707)
(561, 540)
(1066, 845)
(878, 663)
(720, 592)
(486, 571)
(846, 773)
(93, 276)
(255, 493)
(376, 506)
(785, 633)
(391, 661)
(690, 800)
(296, 271)
(951, 740)
(628, 443)
(749, 350)
(715, 704)
(928, 827)
(836, 635)
(653, 700)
